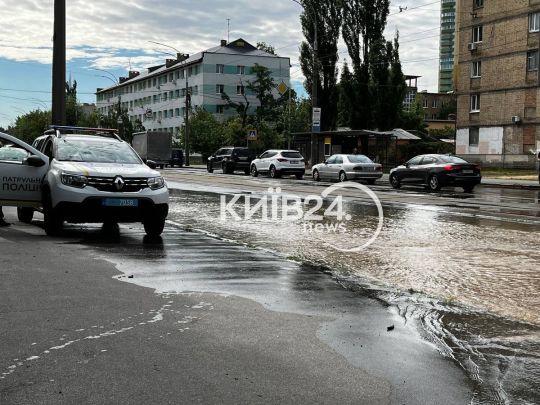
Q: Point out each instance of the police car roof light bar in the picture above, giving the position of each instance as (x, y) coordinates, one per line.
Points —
(57, 129)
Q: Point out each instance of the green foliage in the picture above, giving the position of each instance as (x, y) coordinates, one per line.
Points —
(31, 125)
(445, 133)
(447, 108)
(413, 119)
(325, 16)
(263, 46)
(235, 132)
(262, 88)
(73, 109)
(206, 134)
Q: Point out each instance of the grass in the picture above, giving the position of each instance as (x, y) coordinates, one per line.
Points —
(509, 174)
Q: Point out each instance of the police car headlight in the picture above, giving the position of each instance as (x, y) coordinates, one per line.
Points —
(156, 183)
(74, 180)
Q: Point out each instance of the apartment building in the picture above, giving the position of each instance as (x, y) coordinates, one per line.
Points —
(436, 109)
(446, 46)
(497, 81)
(157, 96)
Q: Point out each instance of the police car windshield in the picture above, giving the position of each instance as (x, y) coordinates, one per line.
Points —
(95, 150)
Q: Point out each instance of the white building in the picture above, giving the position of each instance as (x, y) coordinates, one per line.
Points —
(157, 97)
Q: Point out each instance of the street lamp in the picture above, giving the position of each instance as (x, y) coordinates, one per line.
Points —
(314, 81)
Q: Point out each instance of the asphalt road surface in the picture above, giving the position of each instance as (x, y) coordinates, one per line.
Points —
(209, 322)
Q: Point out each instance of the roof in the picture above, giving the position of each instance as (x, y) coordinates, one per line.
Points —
(233, 48)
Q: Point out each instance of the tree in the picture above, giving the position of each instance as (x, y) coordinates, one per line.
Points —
(325, 16)
(364, 22)
(242, 108)
(205, 133)
(73, 109)
(263, 46)
(413, 119)
(31, 125)
(346, 97)
(396, 88)
(262, 87)
(447, 108)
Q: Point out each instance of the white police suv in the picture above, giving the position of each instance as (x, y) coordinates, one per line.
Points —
(82, 175)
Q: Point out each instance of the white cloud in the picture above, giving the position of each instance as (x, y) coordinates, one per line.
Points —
(103, 32)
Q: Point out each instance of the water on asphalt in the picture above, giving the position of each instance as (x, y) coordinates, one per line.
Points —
(470, 281)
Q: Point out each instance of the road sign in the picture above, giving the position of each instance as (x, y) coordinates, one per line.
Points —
(148, 113)
(252, 135)
(282, 88)
(316, 119)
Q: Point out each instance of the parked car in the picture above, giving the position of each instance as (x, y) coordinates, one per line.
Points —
(83, 175)
(436, 171)
(278, 163)
(230, 159)
(177, 157)
(348, 167)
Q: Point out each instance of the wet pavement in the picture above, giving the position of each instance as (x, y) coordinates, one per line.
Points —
(463, 266)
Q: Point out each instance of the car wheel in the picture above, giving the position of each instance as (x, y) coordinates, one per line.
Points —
(254, 172)
(209, 168)
(394, 181)
(342, 176)
(273, 172)
(110, 228)
(433, 183)
(153, 226)
(371, 182)
(299, 176)
(468, 189)
(52, 221)
(25, 214)
(315, 175)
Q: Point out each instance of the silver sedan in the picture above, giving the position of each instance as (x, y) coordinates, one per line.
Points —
(347, 167)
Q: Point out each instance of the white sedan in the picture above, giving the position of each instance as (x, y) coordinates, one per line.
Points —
(348, 167)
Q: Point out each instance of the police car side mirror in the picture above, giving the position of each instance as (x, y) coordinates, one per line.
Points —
(151, 164)
(34, 161)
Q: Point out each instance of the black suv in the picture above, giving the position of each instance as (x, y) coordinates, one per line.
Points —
(230, 159)
(177, 158)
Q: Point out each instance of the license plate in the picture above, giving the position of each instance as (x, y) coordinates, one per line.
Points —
(120, 202)
(294, 162)
(467, 172)
(243, 158)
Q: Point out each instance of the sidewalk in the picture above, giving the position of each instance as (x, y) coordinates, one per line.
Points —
(486, 181)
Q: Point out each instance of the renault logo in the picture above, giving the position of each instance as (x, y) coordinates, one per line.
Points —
(119, 183)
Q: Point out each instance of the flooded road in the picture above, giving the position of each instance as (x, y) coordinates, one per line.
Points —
(466, 270)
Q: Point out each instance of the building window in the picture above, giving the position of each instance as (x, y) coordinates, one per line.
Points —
(476, 69)
(220, 88)
(532, 60)
(534, 22)
(196, 90)
(177, 112)
(182, 74)
(477, 33)
(240, 70)
(165, 114)
(478, 3)
(474, 136)
(164, 97)
(475, 102)
(426, 102)
(219, 69)
(240, 90)
(220, 109)
(177, 94)
(434, 103)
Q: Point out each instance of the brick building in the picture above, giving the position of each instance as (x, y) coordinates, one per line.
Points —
(497, 81)
(435, 105)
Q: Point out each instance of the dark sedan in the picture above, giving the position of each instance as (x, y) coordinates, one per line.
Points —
(230, 159)
(436, 171)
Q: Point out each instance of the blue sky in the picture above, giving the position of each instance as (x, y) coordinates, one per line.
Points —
(111, 36)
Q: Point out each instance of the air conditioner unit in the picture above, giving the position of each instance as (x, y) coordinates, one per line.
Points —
(473, 46)
(516, 119)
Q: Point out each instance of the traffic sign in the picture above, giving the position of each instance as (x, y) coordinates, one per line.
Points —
(282, 88)
(148, 113)
(316, 119)
(252, 135)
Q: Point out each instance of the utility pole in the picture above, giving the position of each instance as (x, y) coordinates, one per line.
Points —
(59, 64)
(186, 121)
(314, 83)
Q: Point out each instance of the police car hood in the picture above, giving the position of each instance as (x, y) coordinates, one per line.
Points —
(106, 169)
